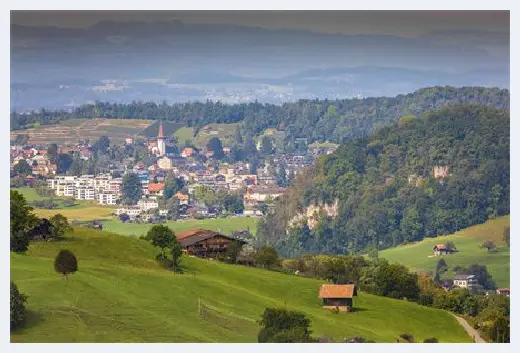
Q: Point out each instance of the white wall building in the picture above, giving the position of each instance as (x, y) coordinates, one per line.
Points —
(107, 198)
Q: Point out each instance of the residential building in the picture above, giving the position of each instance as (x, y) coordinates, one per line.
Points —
(107, 198)
(441, 249)
(84, 193)
(465, 281)
(165, 163)
(146, 204)
(155, 189)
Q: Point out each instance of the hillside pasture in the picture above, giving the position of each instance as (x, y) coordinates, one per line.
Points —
(120, 294)
(225, 132)
(419, 256)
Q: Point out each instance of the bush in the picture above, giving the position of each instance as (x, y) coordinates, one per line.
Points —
(431, 340)
(284, 326)
(18, 311)
(407, 337)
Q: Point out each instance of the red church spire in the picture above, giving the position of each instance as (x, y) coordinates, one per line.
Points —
(161, 134)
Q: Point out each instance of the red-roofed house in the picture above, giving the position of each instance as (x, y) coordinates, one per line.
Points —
(338, 296)
(156, 189)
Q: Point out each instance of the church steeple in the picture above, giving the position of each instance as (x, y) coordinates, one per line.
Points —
(161, 133)
(161, 141)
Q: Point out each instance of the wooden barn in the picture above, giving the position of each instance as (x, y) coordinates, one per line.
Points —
(205, 243)
(338, 296)
(441, 249)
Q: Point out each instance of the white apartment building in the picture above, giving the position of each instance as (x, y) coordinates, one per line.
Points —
(146, 204)
(84, 193)
(107, 198)
(131, 211)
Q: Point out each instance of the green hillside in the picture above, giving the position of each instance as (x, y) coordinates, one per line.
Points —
(224, 225)
(120, 294)
(418, 256)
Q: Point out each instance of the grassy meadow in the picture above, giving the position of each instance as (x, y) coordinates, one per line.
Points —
(418, 256)
(120, 294)
(223, 225)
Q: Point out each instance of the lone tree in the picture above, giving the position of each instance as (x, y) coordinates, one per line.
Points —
(176, 254)
(60, 225)
(162, 237)
(489, 245)
(65, 263)
(18, 312)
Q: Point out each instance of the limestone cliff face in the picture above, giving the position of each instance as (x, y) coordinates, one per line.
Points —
(312, 212)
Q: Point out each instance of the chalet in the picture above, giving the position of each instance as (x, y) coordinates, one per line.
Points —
(205, 243)
(338, 296)
(465, 281)
(187, 152)
(441, 249)
(504, 291)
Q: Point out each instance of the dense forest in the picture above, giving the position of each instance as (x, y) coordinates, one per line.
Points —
(422, 177)
(318, 120)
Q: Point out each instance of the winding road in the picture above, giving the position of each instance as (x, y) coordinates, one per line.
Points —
(470, 330)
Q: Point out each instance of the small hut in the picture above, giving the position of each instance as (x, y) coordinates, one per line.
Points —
(338, 296)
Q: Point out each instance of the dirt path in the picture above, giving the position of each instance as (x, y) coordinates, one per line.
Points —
(470, 330)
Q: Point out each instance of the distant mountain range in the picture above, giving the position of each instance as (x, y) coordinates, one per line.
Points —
(56, 67)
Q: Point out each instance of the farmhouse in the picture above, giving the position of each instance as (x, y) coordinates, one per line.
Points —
(441, 249)
(338, 296)
(504, 291)
(205, 243)
(465, 281)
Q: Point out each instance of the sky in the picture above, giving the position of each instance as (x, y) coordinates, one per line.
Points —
(400, 23)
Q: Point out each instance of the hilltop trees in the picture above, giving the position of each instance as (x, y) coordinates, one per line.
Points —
(131, 189)
(402, 184)
(18, 311)
(65, 263)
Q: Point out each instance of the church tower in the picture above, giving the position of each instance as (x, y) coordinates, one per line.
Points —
(161, 141)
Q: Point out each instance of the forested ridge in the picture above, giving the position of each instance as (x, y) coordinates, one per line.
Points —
(387, 190)
(318, 120)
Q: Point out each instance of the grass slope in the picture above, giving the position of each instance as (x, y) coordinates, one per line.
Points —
(417, 256)
(225, 132)
(79, 129)
(224, 225)
(119, 294)
(183, 134)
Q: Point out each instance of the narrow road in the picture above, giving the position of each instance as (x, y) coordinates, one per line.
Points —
(470, 330)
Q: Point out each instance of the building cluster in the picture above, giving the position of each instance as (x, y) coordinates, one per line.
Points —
(195, 167)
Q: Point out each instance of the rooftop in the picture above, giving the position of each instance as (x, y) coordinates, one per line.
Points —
(337, 291)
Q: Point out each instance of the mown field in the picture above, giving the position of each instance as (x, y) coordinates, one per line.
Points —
(222, 225)
(418, 256)
(80, 129)
(225, 132)
(119, 294)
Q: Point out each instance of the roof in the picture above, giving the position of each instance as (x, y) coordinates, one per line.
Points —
(439, 247)
(161, 133)
(503, 290)
(181, 196)
(155, 187)
(463, 277)
(191, 237)
(338, 291)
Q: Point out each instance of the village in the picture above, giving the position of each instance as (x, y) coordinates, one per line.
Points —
(196, 168)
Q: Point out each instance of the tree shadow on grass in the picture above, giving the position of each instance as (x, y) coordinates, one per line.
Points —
(33, 319)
